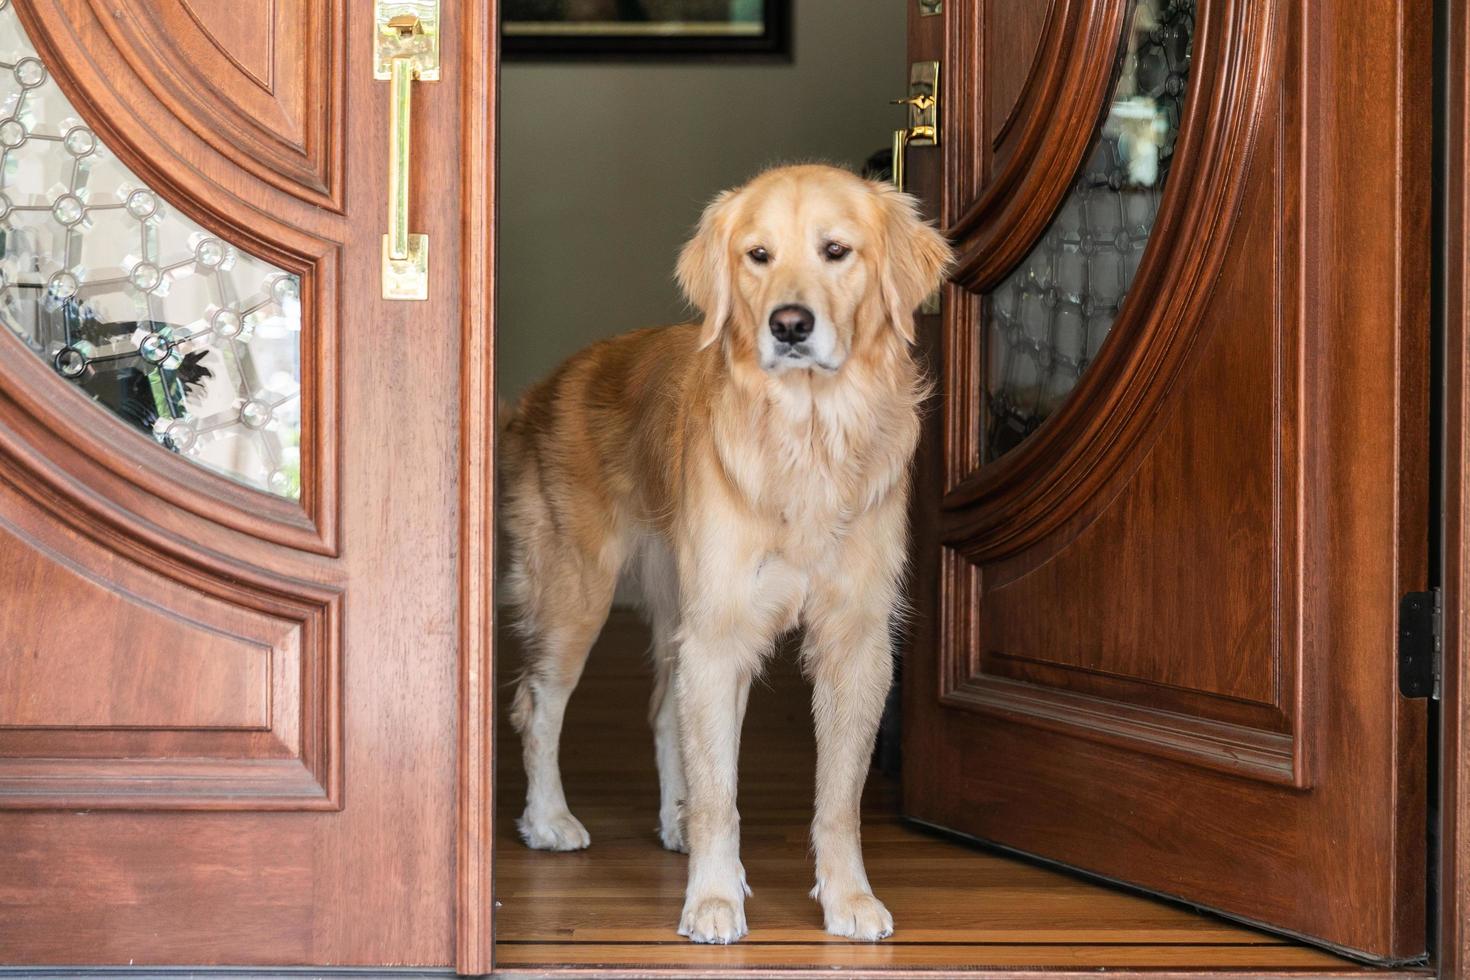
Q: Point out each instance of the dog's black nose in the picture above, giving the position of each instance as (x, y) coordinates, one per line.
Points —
(792, 323)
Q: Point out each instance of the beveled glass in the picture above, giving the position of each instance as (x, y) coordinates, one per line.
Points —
(188, 340)
(1046, 322)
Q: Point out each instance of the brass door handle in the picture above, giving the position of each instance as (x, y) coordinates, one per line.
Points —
(407, 51)
(923, 108)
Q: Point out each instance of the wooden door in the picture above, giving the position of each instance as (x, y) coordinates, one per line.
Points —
(241, 494)
(1175, 483)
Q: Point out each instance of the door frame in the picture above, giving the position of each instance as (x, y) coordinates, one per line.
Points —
(474, 925)
(474, 934)
(1453, 954)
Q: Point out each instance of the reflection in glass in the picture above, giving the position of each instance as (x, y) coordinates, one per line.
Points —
(1047, 320)
(187, 340)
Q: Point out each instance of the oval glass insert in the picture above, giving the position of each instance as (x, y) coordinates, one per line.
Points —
(1046, 322)
(189, 341)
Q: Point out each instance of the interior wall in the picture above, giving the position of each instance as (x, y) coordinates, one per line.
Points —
(605, 167)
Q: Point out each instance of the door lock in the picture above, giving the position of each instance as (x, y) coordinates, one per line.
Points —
(923, 122)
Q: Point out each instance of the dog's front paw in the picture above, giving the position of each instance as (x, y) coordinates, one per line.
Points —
(713, 920)
(859, 916)
(558, 831)
(671, 830)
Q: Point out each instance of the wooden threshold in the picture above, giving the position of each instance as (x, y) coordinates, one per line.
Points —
(957, 908)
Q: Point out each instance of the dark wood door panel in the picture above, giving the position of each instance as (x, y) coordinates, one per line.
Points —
(1190, 833)
(235, 32)
(181, 888)
(1115, 604)
(158, 671)
(328, 836)
(129, 686)
(1158, 642)
(1012, 36)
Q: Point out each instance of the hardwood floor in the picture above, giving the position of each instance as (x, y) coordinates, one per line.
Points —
(616, 904)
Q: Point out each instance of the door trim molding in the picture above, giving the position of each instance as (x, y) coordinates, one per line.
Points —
(1453, 954)
(1043, 139)
(479, 59)
(1348, 972)
(222, 972)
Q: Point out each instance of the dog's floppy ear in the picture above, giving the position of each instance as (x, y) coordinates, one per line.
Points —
(704, 268)
(915, 258)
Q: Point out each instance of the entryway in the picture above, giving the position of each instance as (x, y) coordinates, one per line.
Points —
(1174, 487)
(955, 905)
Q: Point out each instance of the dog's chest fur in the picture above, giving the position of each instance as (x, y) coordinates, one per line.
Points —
(809, 459)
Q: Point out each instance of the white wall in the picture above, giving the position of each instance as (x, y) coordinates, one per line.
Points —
(605, 167)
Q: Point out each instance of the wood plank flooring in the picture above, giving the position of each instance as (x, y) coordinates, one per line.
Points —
(955, 906)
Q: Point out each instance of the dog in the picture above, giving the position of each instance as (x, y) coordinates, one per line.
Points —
(752, 469)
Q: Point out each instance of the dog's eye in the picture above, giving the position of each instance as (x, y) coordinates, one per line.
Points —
(835, 251)
(759, 255)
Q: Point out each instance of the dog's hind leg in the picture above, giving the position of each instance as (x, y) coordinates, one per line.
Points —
(562, 630)
(664, 714)
(659, 581)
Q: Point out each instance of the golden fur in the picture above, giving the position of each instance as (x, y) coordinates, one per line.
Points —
(751, 486)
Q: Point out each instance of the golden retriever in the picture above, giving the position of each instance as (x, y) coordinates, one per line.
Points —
(752, 470)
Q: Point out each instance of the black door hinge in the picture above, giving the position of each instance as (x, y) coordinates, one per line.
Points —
(1421, 644)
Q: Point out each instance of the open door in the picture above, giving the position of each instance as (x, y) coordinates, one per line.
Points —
(1175, 482)
(239, 537)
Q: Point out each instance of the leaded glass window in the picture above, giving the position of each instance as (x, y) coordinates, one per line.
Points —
(1047, 321)
(191, 342)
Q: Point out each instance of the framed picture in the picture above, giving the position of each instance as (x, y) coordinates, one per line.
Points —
(645, 28)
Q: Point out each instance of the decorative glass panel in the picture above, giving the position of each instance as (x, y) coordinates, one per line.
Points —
(1047, 320)
(189, 341)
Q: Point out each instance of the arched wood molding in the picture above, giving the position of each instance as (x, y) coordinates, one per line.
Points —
(1002, 508)
(283, 129)
(74, 448)
(1053, 120)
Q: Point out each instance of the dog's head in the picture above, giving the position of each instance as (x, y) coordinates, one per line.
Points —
(804, 265)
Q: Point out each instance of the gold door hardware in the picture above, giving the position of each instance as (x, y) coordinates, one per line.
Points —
(406, 49)
(922, 129)
(923, 123)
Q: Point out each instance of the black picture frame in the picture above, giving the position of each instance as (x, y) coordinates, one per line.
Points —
(772, 43)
